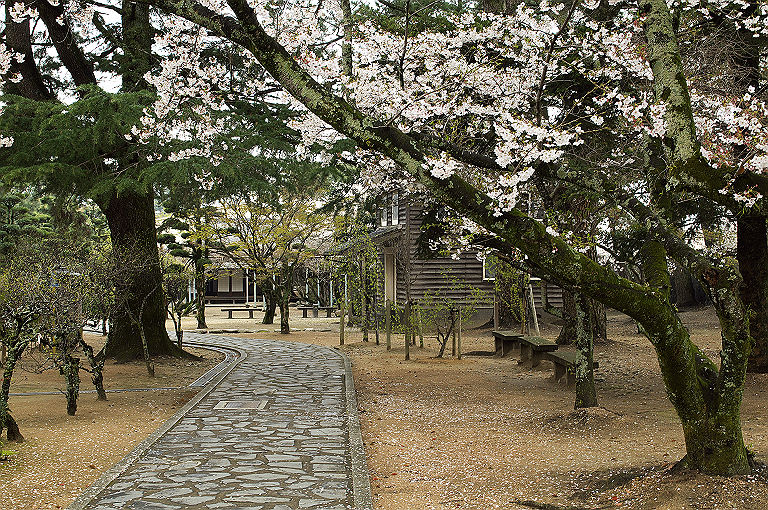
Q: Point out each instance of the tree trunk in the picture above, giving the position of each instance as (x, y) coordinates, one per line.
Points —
(752, 254)
(286, 284)
(596, 315)
(97, 368)
(71, 372)
(7, 422)
(586, 395)
(179, 331)
(568, 331)
(270, 301)
(131, 219)
(200, 282)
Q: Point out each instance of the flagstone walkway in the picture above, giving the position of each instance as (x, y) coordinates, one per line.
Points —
(278, 429)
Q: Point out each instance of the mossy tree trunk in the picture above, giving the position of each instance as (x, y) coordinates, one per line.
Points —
(586, 394)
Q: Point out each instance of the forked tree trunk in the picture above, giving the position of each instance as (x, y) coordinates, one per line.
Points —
(752, 254)
(131, 219)
(97, 368)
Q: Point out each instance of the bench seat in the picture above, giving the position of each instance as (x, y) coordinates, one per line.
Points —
(505, 342)
(533, 348)
(564, 362)
(316, 310)
(236, 309)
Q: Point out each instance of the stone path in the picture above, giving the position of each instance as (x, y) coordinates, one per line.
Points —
(278, 430)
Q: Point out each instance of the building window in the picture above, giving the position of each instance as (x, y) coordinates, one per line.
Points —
(395, 201)
(490, 262)
(389, 213)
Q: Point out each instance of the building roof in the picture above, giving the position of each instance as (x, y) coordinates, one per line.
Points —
(380, 235)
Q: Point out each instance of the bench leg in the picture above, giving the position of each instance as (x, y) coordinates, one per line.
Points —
(571, 379)
(315, 313)
(536, 358)
(559, 372)
(328, 313)
(250, 314)
(304, 313)
(229, 315)
(525, 354)
(498, 346)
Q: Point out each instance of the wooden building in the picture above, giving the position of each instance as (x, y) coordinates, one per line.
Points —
(228, 283)
(463, 278)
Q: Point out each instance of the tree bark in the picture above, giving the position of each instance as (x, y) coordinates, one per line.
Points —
(97, 368)
(137, 46)
(586, 395)
(18, 39)
(131, 219)
(286, 285)
(71, 372)
(6, 420)
(752, 254)
(270, 301)
(567, 334)
(200, 281)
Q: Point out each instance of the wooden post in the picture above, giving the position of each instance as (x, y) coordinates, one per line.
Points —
(388, 323)
(495, 310)
(363, 301)
(376, 313)
(453, 335)
(407, 321)
(458, 340)
(533, 310)
(420, 325)
(341, 322)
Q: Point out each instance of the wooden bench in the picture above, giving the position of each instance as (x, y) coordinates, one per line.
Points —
(316, 310)
(533, 348)
(230, 310)
(505, 342)
(564, 362)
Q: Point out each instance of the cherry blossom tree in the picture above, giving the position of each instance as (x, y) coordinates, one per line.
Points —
(484, 106)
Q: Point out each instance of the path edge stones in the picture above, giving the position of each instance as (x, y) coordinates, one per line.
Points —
(116, 470)
(361, 482)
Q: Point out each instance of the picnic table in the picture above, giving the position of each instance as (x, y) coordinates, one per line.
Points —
(316, 310)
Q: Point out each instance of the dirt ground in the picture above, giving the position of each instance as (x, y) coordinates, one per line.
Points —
(62, 454)
(484, 432)
(476, 433)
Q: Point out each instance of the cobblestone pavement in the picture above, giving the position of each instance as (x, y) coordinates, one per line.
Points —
(275, 432)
